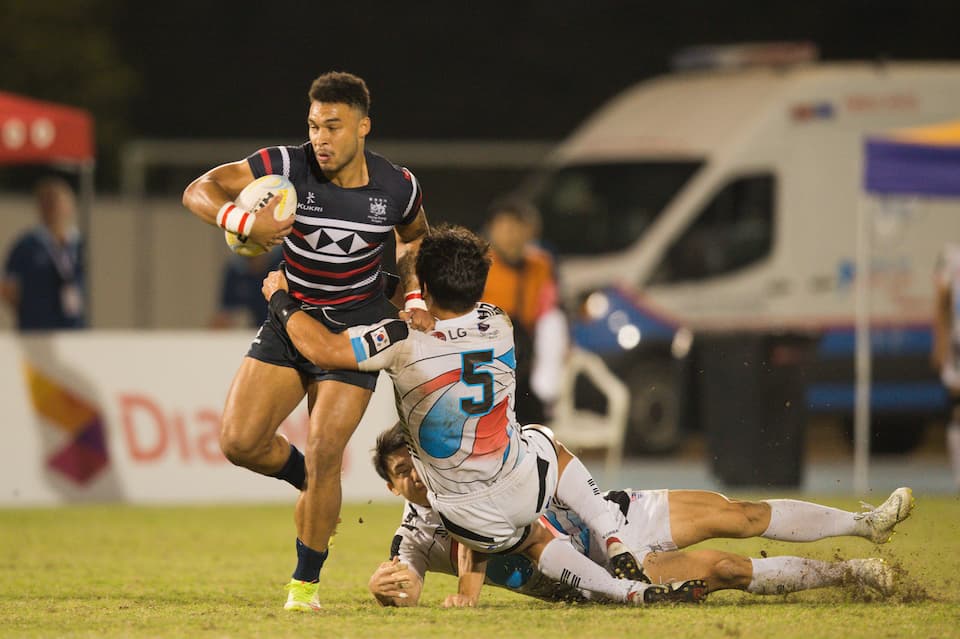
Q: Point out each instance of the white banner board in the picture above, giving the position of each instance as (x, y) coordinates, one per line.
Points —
(135, 416)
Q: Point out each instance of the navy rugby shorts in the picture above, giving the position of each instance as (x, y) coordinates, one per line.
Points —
(273, 346)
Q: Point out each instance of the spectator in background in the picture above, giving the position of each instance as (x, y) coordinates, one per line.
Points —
(241, 302)
(946, 345)
(47, 260)
(522, 283)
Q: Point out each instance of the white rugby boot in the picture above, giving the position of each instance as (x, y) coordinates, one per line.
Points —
(875, 573)
(878, 523)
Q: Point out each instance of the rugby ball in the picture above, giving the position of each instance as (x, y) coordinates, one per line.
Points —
(253, 198)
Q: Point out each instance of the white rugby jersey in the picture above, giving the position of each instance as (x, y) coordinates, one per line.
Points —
(948, 276)
(424, 545)
(455, 395)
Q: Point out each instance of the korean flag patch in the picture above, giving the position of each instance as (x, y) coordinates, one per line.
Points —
(383, 336)
(379, 339)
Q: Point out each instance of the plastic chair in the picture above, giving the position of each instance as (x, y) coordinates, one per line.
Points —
(577, 428)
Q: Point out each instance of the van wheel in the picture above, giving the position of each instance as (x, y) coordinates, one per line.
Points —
(654, 421)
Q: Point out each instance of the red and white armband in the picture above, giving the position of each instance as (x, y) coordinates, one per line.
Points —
(414, 299)
(232, 218)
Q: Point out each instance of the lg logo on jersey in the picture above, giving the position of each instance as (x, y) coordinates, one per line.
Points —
(450, 333)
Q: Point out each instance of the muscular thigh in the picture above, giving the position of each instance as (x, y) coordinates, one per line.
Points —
(261, 396)
(335, 411)
(696, 515)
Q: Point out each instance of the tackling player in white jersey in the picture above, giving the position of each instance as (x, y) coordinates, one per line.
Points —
(488, 481)
(655, 523)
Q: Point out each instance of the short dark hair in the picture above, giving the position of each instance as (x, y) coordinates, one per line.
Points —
(453, 263)
(343, 88)
(388, 442)
(518, 208)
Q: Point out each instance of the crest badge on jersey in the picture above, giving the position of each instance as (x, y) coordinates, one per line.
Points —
(378, 209)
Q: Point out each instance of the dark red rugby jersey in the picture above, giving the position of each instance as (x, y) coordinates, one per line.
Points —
(334, 253)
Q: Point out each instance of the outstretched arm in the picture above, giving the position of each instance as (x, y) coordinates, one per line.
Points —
(313, 339)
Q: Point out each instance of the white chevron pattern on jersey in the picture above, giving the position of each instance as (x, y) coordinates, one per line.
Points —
(330, 240)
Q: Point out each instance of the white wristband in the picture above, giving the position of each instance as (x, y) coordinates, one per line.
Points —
(232, 218)
(414, 299)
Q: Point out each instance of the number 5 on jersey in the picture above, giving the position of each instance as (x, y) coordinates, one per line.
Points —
(472, 377)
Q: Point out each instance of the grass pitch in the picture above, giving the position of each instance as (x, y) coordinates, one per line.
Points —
(122, 571)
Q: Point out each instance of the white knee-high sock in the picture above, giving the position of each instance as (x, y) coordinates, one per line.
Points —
(794, 520)
(561, 561)
(779, 575)
(578, 490)
(953, 449)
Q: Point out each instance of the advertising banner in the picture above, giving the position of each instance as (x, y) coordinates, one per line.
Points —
(134, 416)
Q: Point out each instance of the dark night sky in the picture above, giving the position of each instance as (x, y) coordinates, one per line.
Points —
(437, 69)
(449, 69)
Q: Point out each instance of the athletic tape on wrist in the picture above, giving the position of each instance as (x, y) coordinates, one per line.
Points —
(232, 218)
(283, 305)
(414, 299)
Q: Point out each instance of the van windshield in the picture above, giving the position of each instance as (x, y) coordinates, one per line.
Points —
(601, 208)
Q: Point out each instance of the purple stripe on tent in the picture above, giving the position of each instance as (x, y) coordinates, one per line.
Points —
(912, 169)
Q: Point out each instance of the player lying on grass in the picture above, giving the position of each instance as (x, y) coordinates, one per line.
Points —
(488, 481)
(655, 523)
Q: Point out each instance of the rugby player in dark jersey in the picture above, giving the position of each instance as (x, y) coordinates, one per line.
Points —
(349, 201)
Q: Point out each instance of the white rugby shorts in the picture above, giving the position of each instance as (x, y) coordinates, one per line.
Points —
(497, 518)
(648, 529)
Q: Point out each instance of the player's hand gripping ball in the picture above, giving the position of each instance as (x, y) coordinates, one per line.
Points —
(253, 198)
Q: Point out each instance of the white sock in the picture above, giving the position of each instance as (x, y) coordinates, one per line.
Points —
(953, 449)
(577, 490)
(561, 561)
(780, 575)
(794, 520)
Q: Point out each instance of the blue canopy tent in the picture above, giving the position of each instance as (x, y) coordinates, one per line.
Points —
(919, 162)
(924, 162)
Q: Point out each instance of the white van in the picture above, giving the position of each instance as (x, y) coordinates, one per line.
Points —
(727, 200)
